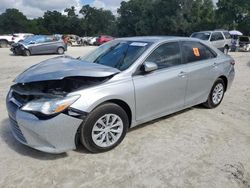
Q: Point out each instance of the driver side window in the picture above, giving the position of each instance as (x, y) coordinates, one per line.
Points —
(166, 55)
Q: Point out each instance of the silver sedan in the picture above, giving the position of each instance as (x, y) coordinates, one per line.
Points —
(93, 100)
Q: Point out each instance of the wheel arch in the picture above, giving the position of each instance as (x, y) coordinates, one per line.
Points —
(123, 105)
(225, 80)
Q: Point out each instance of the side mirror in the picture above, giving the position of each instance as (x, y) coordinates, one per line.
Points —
(32, 42)
(149, 66)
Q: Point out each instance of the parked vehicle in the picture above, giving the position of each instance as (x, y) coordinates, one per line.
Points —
(92, 40)
(121, 84)
(19, 37)
(39, 44)
(5, 40)
(219, 39)
(103, 38)
(74, 40)
(244, 43)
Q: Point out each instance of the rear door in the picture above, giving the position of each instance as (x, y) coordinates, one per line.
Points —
(202, 71)
(217, 40)
(162, 91)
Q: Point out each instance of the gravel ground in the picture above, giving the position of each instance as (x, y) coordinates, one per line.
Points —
(196, 147)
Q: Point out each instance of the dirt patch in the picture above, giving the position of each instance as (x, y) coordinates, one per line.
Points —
(237, 173)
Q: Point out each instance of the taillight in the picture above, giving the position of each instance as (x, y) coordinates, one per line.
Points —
(232, 62)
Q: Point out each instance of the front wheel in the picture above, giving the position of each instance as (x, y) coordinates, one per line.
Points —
(216, 94)
(27, 53)
(104, 128)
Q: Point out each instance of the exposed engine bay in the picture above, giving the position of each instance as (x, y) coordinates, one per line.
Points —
(25, 92)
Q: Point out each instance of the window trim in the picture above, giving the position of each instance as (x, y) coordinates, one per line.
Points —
(138, 69)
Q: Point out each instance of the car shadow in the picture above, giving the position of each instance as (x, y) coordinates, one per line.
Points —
(7, 137)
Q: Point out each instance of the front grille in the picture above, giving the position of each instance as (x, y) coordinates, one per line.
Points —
(17, 131)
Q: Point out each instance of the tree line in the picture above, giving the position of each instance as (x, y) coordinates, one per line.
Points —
(135, 17)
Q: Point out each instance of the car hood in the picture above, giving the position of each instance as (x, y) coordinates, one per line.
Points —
(61, 67)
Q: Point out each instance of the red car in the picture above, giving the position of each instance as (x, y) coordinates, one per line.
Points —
(103, 38)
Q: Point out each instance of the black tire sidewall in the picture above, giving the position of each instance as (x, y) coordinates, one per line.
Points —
(87, 126)
(210, 102)
(27, 53)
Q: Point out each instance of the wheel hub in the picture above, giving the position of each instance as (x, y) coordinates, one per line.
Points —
(107, 130)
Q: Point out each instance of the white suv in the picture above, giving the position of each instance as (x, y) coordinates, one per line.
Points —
(220, 39)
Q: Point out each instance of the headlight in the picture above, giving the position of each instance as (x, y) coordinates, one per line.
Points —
(50, 106)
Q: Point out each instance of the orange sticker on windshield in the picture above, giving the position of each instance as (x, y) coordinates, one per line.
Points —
(196, 52)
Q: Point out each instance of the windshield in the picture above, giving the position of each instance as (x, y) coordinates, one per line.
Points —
(118, 54)
(32, 38)
(202, 36)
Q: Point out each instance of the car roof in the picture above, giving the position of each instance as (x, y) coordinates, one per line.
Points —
(219, 30)
(155, 39)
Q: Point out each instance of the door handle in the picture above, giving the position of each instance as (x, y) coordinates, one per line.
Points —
(182, 74)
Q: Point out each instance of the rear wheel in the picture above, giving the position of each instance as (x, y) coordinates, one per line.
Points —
(27, 53)
(216, 94)
(4, 44)
(60, 50)
(104, 128)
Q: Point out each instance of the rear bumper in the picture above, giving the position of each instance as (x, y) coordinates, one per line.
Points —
(55, 135)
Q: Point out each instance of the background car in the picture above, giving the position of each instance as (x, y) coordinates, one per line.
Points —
(5, 40)
(92, 40)
(74, 40)
(39, 44)
(95, 99)
(220, 39)
(103, 38)
(244, 43)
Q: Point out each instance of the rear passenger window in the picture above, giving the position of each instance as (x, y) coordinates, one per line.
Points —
(227, 35)
(195, 51)
(217, 36)
(166, 55)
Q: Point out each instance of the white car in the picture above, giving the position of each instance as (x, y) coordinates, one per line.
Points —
(18, 37)
(92, 41)
(5, 40)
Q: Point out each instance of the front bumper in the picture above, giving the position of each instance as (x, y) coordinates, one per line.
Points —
(18, 50)
(55, 135)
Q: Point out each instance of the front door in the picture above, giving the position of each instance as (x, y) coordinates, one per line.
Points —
(162, 91)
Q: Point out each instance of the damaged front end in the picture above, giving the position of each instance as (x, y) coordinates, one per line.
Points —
(39, 103)
(46, 99)
(39, 111)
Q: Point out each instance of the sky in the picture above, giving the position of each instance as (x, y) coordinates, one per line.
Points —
(36, 8)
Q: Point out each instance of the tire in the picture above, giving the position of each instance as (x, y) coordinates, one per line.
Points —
(215, 98)
(60, 50)
(108, 137)
(226, 50)
(4, 44)
(27, 53)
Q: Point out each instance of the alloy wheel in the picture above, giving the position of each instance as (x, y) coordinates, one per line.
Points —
(107, 130)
